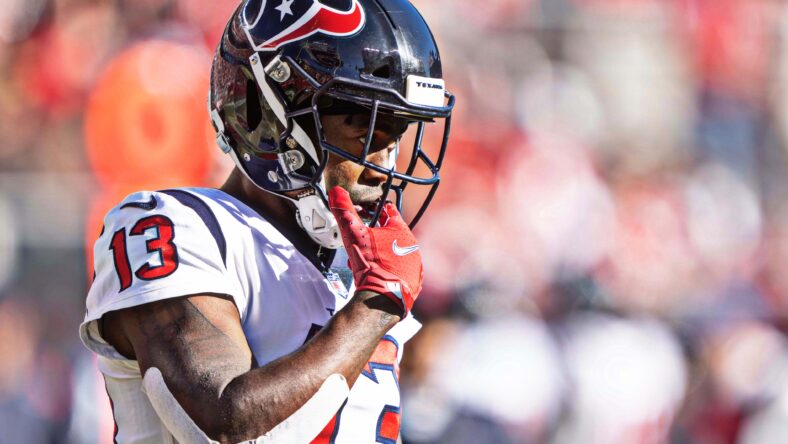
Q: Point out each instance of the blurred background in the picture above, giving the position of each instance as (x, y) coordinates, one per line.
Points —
(606, 260)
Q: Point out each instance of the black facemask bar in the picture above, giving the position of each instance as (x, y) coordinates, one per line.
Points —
(394, 104)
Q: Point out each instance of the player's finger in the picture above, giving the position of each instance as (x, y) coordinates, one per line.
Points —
(338, 197)
(339, 202)
(343, 210)
(389, 216)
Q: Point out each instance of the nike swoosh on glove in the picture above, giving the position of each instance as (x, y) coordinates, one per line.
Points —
(385, 259)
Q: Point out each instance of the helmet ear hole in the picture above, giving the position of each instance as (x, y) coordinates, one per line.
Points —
(384, 72)
(254, 113)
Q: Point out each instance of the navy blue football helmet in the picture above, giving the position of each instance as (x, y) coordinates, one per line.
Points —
(281, 64)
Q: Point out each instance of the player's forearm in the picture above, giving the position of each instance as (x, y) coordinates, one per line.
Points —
(258, 400)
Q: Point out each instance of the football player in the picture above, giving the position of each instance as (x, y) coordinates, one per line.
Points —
(244, 313)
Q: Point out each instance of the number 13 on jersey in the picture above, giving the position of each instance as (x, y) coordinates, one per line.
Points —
(161, 244)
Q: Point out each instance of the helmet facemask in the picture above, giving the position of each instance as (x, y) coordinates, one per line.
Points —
(282, 148)
(387, 108)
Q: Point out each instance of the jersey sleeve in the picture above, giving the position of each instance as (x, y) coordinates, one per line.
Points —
(153, 247)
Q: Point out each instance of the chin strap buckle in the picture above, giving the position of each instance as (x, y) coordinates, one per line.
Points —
(314, 217)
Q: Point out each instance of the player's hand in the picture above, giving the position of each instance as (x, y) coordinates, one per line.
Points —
(385, 259)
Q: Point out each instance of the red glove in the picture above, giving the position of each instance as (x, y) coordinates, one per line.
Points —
(385, 259)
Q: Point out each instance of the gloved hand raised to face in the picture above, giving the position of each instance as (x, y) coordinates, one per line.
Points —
(384, 259)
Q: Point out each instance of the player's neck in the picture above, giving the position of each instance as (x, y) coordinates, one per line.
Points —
(274, 209)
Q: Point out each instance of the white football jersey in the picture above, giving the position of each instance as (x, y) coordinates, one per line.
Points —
(172, 243)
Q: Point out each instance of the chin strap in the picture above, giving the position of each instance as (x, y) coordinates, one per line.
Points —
(300, 427)
(316, 219)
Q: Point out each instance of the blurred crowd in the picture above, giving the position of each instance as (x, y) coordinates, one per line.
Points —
(606, 260)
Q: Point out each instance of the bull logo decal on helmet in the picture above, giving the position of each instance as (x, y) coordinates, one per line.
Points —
(269, 24)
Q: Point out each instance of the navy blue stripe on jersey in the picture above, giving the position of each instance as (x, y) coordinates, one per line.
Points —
(151, 204)
(204, 211)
